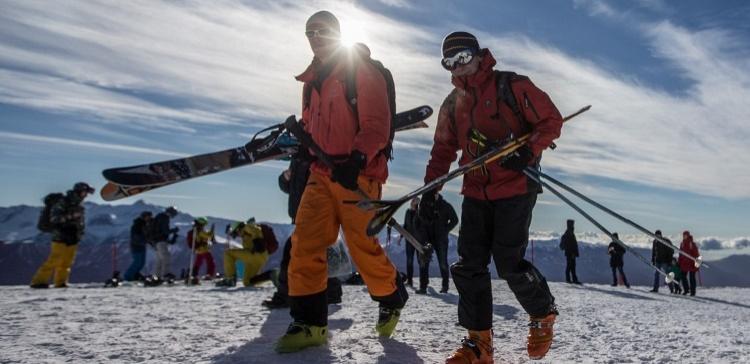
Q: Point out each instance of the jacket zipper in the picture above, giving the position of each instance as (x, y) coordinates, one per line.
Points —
(529, 104)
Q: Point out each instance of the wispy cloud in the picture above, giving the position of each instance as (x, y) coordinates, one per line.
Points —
(87, 144)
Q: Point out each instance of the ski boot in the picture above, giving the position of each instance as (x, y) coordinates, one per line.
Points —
(39, 285)
(227, 282)
(169, 278)
(299, 336)
(387, 321)
(476, 349)
(540, 335)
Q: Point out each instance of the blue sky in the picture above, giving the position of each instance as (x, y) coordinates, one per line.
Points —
(88, 85)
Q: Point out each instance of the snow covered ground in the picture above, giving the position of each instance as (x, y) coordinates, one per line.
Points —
(204, 324)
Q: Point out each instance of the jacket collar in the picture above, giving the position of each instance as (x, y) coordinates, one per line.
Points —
(481, 76)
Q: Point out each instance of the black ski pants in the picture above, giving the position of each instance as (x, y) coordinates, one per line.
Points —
(441, 252)
(688, 287)
(409, 261)
(622, 274)
(570, 269)
(499, 230)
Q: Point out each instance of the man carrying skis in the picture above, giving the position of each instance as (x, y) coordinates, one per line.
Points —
(569, 244)
(66, 223)
(161, 236)
(356, 141)
(661, 257)
(498, 198)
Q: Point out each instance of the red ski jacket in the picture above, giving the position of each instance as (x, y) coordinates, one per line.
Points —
(330, 120)
(476, 104)
(688, 246)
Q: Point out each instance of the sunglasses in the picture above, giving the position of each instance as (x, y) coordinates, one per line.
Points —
(323, 32)
(459, 59)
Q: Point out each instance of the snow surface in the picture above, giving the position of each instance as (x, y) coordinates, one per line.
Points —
(203, 324)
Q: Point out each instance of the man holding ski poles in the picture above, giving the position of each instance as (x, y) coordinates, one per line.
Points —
(356, 137)
(487, 108)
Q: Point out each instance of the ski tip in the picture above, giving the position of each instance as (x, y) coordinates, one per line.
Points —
(586, 108)
(425, 111)
(108, 192)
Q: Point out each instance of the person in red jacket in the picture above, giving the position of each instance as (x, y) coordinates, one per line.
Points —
(356, 142)
(499, 198)
(687, 266)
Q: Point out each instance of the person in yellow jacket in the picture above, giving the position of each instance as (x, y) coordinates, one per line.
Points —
(253, 253)
(66, 222)
(202, 242)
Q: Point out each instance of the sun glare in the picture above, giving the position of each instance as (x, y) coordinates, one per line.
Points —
(352, 32)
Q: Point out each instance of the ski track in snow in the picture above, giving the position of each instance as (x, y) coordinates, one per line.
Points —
(204, 324)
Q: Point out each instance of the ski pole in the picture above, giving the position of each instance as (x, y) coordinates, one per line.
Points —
(532, 173)
(306, 141)
(192, 255)
(697, 261)
(385, 209)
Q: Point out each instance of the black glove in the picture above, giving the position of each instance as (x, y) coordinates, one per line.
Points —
(259, 245)
(346, 173)
(519, 159)
(427, 206)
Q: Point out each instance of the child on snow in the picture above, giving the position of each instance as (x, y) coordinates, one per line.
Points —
(674, 286)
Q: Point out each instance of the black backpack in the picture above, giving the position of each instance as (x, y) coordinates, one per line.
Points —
(351, 92)
(269, 239)
(44, 224)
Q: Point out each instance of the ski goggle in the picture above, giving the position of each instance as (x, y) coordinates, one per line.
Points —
(322, 32)
(459, 59)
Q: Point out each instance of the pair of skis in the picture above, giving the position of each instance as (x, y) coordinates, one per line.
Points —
(272, 143)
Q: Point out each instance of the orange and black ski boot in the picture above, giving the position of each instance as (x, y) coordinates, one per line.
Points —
(540, 335)
(476, 349)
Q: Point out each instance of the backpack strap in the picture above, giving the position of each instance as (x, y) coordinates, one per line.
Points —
(503, 81)
(350, 84)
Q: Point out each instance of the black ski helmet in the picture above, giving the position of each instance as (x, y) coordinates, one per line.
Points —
(83, 187)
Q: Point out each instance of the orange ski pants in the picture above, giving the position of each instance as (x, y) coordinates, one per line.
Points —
(321, 213)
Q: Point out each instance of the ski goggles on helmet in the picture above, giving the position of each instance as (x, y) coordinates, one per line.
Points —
(459, 59)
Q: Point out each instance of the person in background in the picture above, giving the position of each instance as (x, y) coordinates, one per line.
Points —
(687, 265)
(435, 231)
(161, 237)
(412, 225)
(203, 240)
(674, 286)
(661, 257)
(253, 253)
(569, 244)
(66, 222)
(616, 261)
(139, 238)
